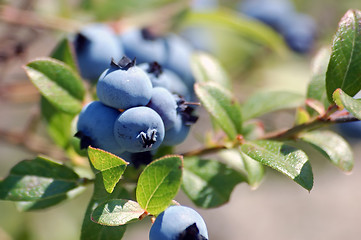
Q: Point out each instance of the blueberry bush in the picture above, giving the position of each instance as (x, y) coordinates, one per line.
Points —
(119, 98)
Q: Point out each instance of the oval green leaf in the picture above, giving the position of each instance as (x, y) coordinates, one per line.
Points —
(117, 212)
(332, 146)
(58, 83)
(317, 87)
(159, 183)
(209, 183)
(251, 170)
(288, 160)
(344, 67)
(110, 166)
(64, 52)
(243, 26)
(207, 69)
(345, 101)
(221, 105)
(264, 102)
(31, 180)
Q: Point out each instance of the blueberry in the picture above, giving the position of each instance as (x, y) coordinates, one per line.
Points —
(124, 85)
(179, 223)
(351, 129)
(178, 58)
(185, 118)
(137, 159)
(299, 31)
(177, 134)
(96, 127)
(139, 129)
(143, 45)
(156, 74)
(95, 45)
(164, 103)
(162, 77)
(270, 12)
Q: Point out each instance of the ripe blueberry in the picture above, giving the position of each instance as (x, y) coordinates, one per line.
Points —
(96, 127)
(95, 45)
(185, 118)
(299, 31)
(124, 85)
(178, 53)
(162, 77)
(143, 45)
(179, 223)
(139, 129)
(270, 12)
(164, 103)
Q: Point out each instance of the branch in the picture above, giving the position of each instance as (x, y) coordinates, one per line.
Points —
(30, 19)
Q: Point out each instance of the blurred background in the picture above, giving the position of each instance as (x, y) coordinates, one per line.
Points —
(278, 209)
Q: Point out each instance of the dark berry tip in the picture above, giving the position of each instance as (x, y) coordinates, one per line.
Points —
(148, 138)
(191, 233)
(148, 35)
(125, 63)
(155, 68)
(85, 141)
(80, 42)
(141, 158)
(187, 109)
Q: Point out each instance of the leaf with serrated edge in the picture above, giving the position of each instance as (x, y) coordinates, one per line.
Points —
(332, 146)
(345, 101)
(209, 183)
(31, 180)
(344, 67)
(221, 105)
(117, 212)
(110, 166)
(264, 102)
(58, 83)
(207, 69)
(159, 183)
(288, 160)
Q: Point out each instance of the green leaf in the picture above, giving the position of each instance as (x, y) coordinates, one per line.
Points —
(243, 26)
(37, 179)
(117, 212)
(58, 123)
(94, 231)
(58, 83)
(110, 166)
(288, 160)
(64, 52)
(345, 101)
(344, 67)
(159, 183)
(317, 87)
(221, 105)
(207, 69)
(209, 183)
(332, 146)
(48, 202)
(265, 102)
(251, 170)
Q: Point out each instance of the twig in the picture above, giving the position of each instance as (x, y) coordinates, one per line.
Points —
(28, 18)
(33, 143)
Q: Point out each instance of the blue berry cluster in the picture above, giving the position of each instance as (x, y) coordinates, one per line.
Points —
(179, 223)
(298, 30)
(96, 44)
(137, 112)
